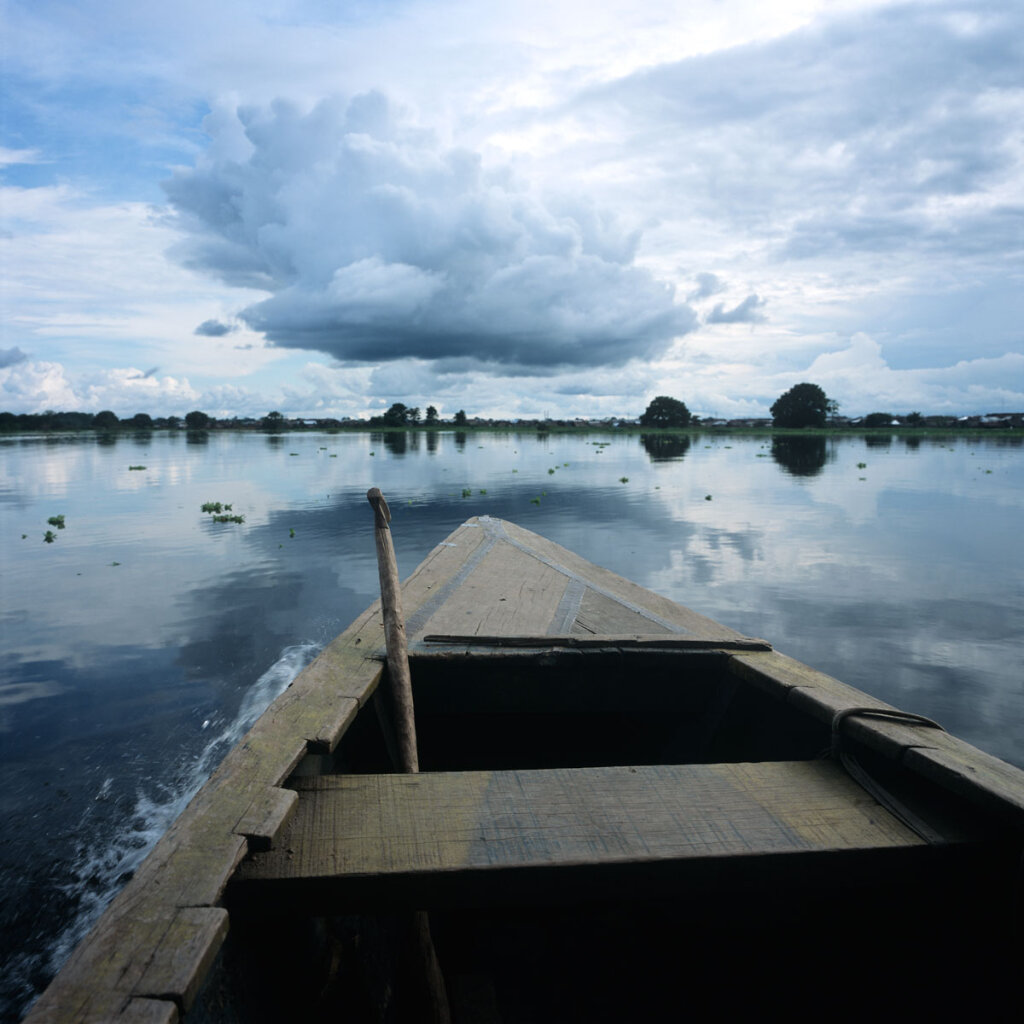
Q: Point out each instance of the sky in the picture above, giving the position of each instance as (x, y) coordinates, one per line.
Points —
(539, 208)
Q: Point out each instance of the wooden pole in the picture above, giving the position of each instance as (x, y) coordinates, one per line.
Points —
(405, 728)
(394, 634)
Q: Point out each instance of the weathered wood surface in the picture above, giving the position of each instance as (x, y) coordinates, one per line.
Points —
(403, 715)
(424, 839)
(951, 763)
(577, 641)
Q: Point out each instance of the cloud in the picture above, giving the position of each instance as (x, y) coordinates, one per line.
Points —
(746, 312)
(34, 386)
(377, 243)
(8, 157)
(214, 329)
(11, 357)
(707, 285)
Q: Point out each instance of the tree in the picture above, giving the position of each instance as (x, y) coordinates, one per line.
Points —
(914, 419)
(105, 420)
(197, 420)
(803, 405)
(665, 412)
(879, 419)
(431, 416)
(460, 418)
(396, 416)
(413, 415)
(142, 421)
(273, 422)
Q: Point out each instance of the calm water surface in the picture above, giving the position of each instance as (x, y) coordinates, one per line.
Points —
(142, 642)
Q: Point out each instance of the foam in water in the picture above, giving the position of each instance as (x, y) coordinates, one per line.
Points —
(104, 865)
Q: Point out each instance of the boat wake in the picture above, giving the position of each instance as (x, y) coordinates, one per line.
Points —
(103, 864)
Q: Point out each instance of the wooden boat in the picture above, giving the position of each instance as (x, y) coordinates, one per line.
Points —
(623, 813)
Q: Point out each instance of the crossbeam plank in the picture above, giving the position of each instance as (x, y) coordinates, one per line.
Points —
(389, 837)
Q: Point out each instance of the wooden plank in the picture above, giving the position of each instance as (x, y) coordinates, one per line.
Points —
(507, 592)
(602, 613)
(603, 642)
(354, 838)
(184, 956)
(600, 579)
(149, 1011)
(265, 816)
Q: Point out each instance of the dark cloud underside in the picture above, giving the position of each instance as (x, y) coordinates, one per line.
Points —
(377, 244)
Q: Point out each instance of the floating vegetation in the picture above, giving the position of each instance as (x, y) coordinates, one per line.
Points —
(515, 470)
(862, 465)
(623, 479)
(136, 467)
(24, 536)
(467, 492)
(565, 463)
(221, 512)
(57, 521)
(112, 564)
(373, 453)
(49, 536)
(483, 490)
(291, 532)
(551, 472)
(293, 453)
(535, 501)
(707, 497)
(333, 456)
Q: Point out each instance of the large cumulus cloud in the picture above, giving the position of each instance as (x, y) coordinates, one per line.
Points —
(377, 243)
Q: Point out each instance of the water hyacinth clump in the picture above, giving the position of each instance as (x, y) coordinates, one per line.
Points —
(221, 512)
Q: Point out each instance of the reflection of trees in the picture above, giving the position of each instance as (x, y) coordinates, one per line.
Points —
(877, 440)
(396, 442)
(431, 441)
(197, 437)
(460, 439)
(275, 440)
(912, 443)
(800, 456)
(665, 447)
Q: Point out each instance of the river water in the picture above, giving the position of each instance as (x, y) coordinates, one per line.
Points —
(144, 639)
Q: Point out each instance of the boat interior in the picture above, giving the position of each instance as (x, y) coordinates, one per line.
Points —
(916, 926)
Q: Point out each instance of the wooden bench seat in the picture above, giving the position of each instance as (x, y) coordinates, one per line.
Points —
(473, 838)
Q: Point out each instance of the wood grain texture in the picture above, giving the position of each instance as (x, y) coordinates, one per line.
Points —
(353, 835)
(604, 580)
(507, 592)
(602, 642)
(149, 1011)
(184, 955)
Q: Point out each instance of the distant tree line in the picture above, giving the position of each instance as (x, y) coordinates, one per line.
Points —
(803, 405)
